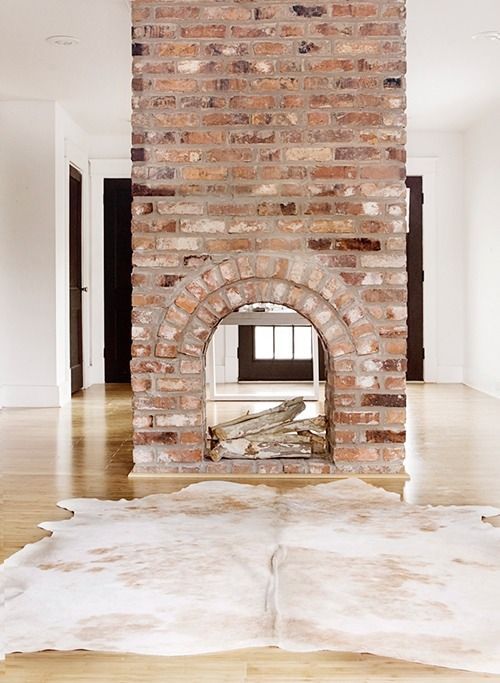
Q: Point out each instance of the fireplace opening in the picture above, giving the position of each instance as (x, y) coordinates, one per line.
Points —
(264, 352)
(362, 387)
(260, 359)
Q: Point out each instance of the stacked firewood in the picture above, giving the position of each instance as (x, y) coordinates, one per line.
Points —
(273, 433)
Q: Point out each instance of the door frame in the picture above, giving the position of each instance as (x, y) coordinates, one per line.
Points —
(427, 168)
(75, 174)
(99, 170)
(117, 277)
(75, 156)
(415, 271)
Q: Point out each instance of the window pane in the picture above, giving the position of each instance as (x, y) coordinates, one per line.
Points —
(283, 342)
(303, 343)
(263, 343)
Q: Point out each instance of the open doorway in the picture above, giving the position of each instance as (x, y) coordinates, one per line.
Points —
(415, 268)
(75, 279)
(117, 281)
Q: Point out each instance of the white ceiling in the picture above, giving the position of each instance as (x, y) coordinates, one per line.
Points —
(91, 80)
(451, 77)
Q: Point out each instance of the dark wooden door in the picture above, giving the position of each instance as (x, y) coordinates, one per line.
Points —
(251, 368)
(117, 279)
(75, 279)
(414, 246)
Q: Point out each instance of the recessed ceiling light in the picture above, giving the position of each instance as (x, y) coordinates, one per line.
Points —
(487, 35)
(63, 41)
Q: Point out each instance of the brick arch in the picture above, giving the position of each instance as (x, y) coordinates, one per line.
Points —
(320, 297)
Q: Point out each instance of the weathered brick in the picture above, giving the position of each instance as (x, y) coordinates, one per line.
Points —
(204, 31)
(354, 9)
(155, 437)
(203, 225)
(223, 246)
(185, 455)
(163, 350)
(268, 165)
(385, 436)
(389, 400)
(359, 454)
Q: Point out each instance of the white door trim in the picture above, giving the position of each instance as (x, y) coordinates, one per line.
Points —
(99, 170)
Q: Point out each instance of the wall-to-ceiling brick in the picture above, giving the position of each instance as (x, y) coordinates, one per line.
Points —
(269, 164)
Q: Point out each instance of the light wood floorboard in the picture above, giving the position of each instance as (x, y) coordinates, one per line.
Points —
(84, 449)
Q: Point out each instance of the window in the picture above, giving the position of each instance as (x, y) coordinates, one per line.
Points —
(282, 342)
(278, 353)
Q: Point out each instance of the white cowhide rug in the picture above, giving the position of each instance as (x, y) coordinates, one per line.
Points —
(220, 566)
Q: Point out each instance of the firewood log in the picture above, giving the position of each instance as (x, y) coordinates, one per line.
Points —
(257, 422)
(243, 449)
(278, 437)
(315, 424)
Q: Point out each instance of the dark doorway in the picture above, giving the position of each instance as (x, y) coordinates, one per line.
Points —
(276, 353)
(75, 279)
(117, 279)
(414, 246)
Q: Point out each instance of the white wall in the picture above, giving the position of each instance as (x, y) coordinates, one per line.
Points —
(225, 344)
(109, 146)
(38, 141)
(444, 254)
(28, 268)
(482, 177)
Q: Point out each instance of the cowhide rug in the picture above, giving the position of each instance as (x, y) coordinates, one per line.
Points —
(220, 566)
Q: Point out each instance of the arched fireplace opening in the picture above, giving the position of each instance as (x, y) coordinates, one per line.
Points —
(266, 369)
(170, 390)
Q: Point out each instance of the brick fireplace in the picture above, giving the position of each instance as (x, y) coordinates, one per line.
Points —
(268, 166)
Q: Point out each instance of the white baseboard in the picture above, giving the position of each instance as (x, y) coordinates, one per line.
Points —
(24, 396)
(93, 374)
(486, 385)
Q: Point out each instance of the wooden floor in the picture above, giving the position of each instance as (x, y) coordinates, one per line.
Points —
(84, 449)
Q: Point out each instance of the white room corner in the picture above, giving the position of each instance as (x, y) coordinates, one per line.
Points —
(482, 251)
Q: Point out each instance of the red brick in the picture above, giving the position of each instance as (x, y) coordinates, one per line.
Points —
(361, 454)
(190, 402)
(163, 350)
(204, 31)
(185, 455)
(268, 163)
(389, 400)
(192, 438)
(354, 9)
(271, 48)
(223, 246)
(353, 418)
(155, 437)
(332, 172)
(384, 436)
